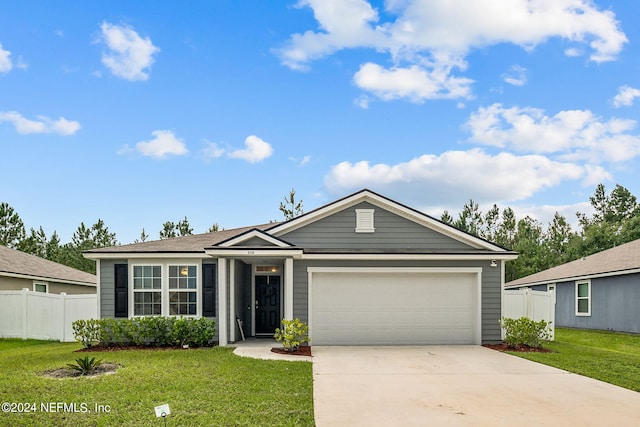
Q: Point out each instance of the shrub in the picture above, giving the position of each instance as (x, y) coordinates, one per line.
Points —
(524, 331)
(87, 332)
(145, 331)
(293, 333)
(201, 333)
(85, 365)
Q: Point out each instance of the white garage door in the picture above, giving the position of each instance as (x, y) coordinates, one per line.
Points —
(400, 306)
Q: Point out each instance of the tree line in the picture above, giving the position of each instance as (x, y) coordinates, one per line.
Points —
(36, 242)
(615, 220)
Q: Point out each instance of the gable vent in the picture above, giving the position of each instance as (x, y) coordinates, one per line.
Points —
(364, 221)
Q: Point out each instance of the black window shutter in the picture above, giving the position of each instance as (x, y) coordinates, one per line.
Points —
(121, 274)
(208, 290)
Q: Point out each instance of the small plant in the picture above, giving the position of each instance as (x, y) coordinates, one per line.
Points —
(524, 331)
(293, 333)
(85, 365)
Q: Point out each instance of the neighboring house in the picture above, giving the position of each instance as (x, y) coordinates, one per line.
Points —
(19, 270)
(600, 291)
(361, 270)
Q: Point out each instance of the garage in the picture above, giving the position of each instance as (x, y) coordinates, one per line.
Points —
(394, 306)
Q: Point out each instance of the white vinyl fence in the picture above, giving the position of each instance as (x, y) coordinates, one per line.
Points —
(536, 305)
(27, 314)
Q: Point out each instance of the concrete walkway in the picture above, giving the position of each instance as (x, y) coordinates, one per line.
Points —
(260, 348)
(458, 386)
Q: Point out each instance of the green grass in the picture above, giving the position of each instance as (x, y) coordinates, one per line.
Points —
(612, 357)
(7, 343)
(202, 387)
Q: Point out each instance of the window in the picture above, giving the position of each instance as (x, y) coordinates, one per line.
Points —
(40, 287)
(364, 221)
(583, 298)
(166, 289)
(183, 282)
(147, 290)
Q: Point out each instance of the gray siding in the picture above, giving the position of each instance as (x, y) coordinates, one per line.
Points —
(107, 287)
(256, 241)
(491, 288)
(614, 304)
(392, 231)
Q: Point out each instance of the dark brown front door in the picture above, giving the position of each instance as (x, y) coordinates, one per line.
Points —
(267, 304)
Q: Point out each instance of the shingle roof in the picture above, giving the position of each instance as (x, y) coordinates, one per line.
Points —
(193, 243)
(612, 261)
(20, 263)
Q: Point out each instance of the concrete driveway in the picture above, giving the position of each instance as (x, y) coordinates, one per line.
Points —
(458, 385)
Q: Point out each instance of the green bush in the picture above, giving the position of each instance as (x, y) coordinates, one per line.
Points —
(524, 331)
(145, 331)
(293, 333)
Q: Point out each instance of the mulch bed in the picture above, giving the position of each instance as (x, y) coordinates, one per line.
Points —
(519, 348)
(303, 350)
(105, 368)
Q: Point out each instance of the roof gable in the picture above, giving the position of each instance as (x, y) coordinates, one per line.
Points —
(254, 237)
(377, 201)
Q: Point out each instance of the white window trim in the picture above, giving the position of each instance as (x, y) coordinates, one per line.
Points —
(132, 290)
(365, 221)
(590, 296)
(164, 284)
(184, 290)
(45, 284)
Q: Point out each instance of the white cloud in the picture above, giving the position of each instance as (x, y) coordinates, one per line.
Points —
(625, 96)
(212, 151)
(427, 39)
(415, 83)
(516, 76)
(5, 61)
(129, 56)
(43, 124)
(305, 160)
(344, 23)
(164, 143)
(570, 135)
(455, 176)
(256, 150)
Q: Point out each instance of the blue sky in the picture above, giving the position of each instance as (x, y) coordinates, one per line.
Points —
(143, 112)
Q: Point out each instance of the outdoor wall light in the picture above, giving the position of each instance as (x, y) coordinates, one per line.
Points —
(494, 263)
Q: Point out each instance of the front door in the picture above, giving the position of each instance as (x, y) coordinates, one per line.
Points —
(267, 304)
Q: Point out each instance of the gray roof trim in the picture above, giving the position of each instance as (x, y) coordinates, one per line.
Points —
(255, 251)
(46, 279)
(409, 256)
(388, 204)
(622, 259)
(575, 279)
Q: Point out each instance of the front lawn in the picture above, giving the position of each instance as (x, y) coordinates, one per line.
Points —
(613, 357)
(208, 386)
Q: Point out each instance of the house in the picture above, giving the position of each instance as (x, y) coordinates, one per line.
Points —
(361, 270)
(600, 291)
(19, 270)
